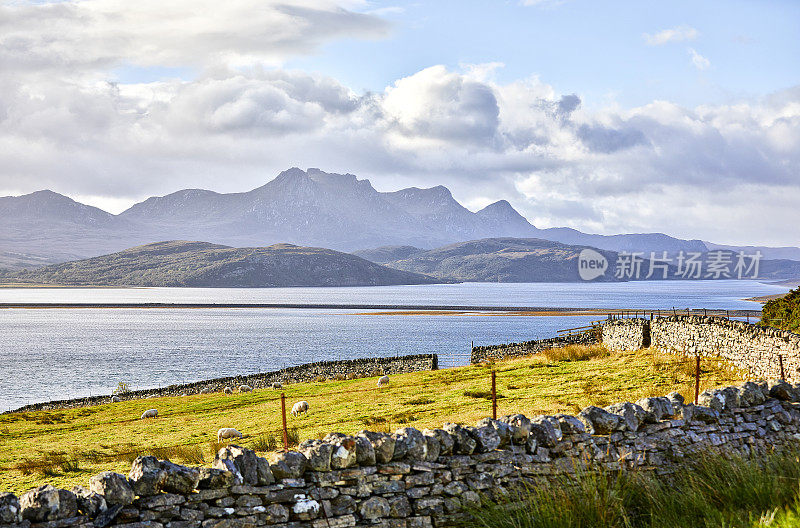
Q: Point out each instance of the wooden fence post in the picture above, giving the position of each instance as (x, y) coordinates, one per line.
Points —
(494, 395)
(780, 360)
(697, 380)
(283, 414)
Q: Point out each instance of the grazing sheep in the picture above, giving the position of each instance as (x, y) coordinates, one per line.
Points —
(116, 399)
(205, 391)
(277, 385)
(150, 413)
(227, 390)
(245, 388)
(227, 432)
(299, 408)
(184, 394)
(383, 380)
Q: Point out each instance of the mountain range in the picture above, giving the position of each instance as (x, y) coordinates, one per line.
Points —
(305, 208)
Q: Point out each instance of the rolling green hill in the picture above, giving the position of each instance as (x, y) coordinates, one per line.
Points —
(201, 264)
(783, 312)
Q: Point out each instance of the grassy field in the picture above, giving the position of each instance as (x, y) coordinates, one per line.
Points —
(67, 447)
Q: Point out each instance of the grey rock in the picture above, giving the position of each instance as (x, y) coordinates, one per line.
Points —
(599, 421)
(343, 505)
(520, 427)
(465, 444)
(240, 461)
(375, 508)
(365, 453)
(434, 447)
(113, 486)
(344, 453)
(179, 479)
(781, 390)
(47, 503)
(275, 514)
(9, 509)
(487, 438)
(289, 465)
(632, 415)
(570, 424)
(318, 454)
(660, 407)
(90, 503)
(544, 432)
(108, 516)
(502, 428)
(713, 398)
(750, 394)
(413, 441)
(146, 476)
(704, 414)
(382, 444)
(676, 398)
(399, 507)
(212, 478)
(265, 476)
(446, 440)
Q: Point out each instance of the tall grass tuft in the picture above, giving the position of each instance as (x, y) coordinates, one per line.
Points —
(575, 353)
(710, 491)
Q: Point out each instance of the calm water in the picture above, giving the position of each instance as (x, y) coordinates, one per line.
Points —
(55, 354)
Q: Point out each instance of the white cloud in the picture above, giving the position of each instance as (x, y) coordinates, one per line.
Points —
(700, 62)
(676, 34)
(62, 126)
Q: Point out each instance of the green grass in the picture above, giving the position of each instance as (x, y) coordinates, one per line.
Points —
(783, 313)
(66, 447)
(707, 492)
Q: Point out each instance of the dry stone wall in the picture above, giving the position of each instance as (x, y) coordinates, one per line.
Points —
(513, 350)
(626, 334)
(411, 478)
(298, 374)
(756, 349)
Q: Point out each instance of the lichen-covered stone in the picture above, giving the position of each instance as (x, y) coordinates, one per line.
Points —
(520, 427)
(289, 465)
(344, 453)
(465, 444)
(240, 461)
(382, 443)
(599, 421)
(433, 446)
(318, 454)
(751, 394)
(47, 503)
(375, 508)
(9, 509)
(114, 487)
(570, 424)
(446, 440)
(502, 429)
(632, 415)
(544, 432)
(90, 503)
(486, 437)
(412, 442)
(213, 478)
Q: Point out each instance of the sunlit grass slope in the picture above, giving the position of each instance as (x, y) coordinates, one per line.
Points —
(67, 447)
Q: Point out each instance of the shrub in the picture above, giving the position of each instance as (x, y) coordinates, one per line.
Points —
(783, 313)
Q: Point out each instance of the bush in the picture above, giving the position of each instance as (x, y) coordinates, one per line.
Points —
(783, 313)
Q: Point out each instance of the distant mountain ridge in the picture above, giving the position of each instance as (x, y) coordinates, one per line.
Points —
(307, 208)
(201, 264)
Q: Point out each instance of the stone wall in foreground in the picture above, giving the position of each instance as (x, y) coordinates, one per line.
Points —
(526, 348)
(359, 368)
(626, 334)
(411, 478)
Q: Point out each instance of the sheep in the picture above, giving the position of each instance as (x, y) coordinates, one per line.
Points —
(277, 385)
(227, 390)
(245, 388)
(227, 432)
(299, 408)
(150, 413)
(383, 380)
(116, 399)
(205, 391)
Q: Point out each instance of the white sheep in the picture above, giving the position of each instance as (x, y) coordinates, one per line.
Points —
(299, 408)
(227, 432)
(383, 380)
(277, 385)
(245, 388)
(205, 391)
(150, 413)
(227, 390)
(116, 399)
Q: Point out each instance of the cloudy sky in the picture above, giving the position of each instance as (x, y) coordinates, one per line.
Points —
(619, 116)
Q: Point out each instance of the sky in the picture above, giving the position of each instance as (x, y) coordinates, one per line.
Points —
(618, 116)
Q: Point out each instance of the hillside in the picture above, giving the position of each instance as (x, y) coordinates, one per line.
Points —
(201, 264)
(783, 312)
(385, 254)
(66, 447)
(501, 260)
